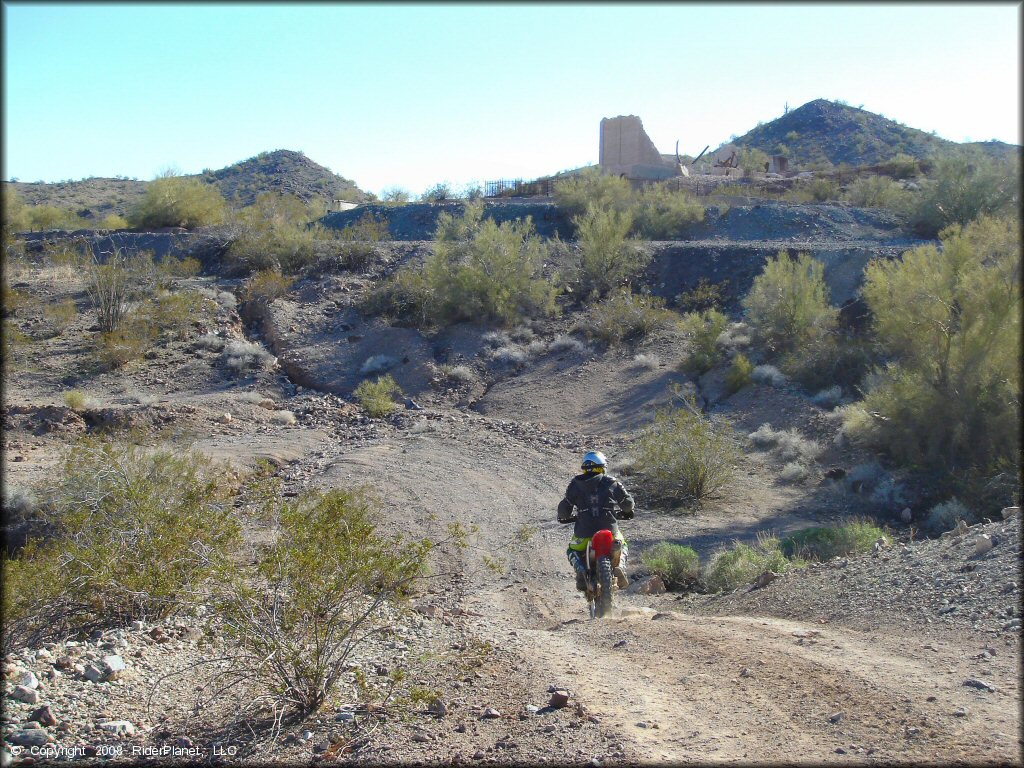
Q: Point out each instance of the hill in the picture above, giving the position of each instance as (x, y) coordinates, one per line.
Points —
(282, 170)
(824, 131)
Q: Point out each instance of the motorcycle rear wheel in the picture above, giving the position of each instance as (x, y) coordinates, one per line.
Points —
(604, 579)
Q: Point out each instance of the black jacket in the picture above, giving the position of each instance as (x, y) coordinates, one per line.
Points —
(594, 497)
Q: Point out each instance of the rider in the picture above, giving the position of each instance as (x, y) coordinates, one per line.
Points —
(594, 495)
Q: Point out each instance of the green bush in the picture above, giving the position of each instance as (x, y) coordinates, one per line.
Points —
(266, 285)
(14, 211)
(663, 214)
(376, 397)
(626, 316)
(59, 316)
(824, 543)
(949, 321)
(788, 309)
(743, 563)
(703, 296)
(135, 533)
(115, 284)
(902, 166)
(358, 240)
(114, 221)
(274, 234)
(318, 592)
(962, 189)
(593, 190)
(179, 201)
(479, 270)
(175, 313)
(678, 566)
(739, 374)
(703, 330)
(685, 457)
(607, 259)
(879, 192)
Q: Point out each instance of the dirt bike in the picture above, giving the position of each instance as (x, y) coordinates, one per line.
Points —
(600, 576)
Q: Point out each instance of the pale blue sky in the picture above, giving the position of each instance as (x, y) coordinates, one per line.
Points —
(413, 94)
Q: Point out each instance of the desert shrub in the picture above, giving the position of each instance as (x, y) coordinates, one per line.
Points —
(395, 194)
(789, 445)
(135, 533)
(651, 362)
(509, 355)
(788, 306)
(78, 401)
(824, 543)
(521, 334)
(962, 189)
(678, 566)
(130, 341)
(45, 217)
(742, 563)
(592, 190)
(878, 192)
(770, 375)
(318, 592)
(607, 259)
(241, 356)
(663, 214)
(266, 285)
(479, 270)
(703, 296)
(210, 341)
(902, 166)
(58, 317)
(175, 313)
(273, 235)
(794, 472)
(227, 300)
(14, 211)
(684, 456)
(377, 397)
(703, 330)
(358, 240)
(438, 193)
(16, 344)
(114, 221)
(828, 398)
(949, 320)
(945, 515)
(283, 417)
(739, 373)
(377, 364)
(625, 316)
(179, 201)
(562, 343)
(172, 266)
(459, 374)
(114, 284)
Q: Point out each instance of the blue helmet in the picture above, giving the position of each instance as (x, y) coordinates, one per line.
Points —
(594, 462)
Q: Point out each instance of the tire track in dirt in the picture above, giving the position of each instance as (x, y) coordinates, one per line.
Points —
(706, 688)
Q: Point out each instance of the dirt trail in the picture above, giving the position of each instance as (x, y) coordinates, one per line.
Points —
(672, 686)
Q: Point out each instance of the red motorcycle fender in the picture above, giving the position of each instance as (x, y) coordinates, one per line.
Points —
(603, 543)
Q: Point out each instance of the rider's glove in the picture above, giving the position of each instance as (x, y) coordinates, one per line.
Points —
(625, 514)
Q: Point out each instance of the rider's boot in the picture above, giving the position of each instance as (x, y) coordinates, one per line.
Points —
(620, 577)
(581, 582)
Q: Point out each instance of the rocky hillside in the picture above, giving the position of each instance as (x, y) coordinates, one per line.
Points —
(282, 170)
(822, 130)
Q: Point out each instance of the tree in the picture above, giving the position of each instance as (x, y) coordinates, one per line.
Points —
(179, 201)
(964, 187)
(949, 320)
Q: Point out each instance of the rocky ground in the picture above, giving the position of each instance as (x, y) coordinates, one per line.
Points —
(907, 655)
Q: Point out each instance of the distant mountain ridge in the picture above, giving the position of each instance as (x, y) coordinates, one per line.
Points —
(281, 170)
(823, 131)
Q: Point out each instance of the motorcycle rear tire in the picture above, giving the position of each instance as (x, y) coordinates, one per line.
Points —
(605, 581)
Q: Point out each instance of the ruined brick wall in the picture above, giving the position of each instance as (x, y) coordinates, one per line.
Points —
(625, 148)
